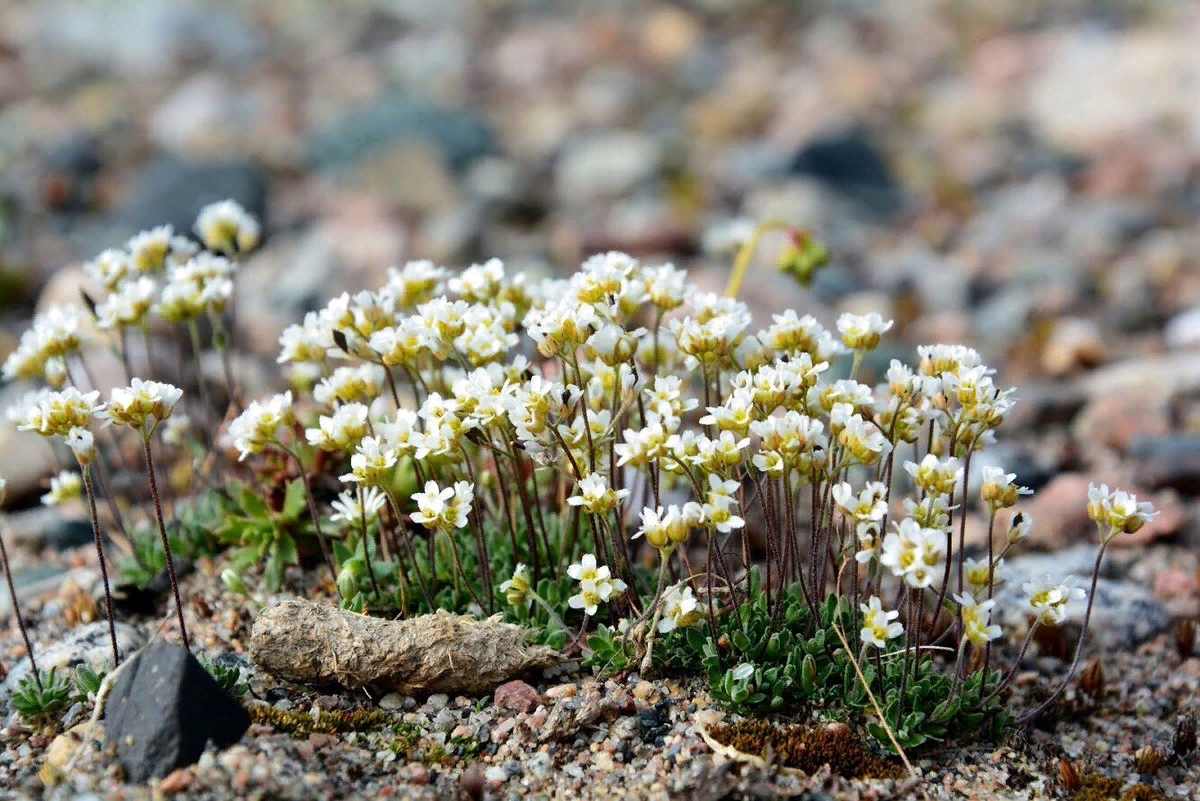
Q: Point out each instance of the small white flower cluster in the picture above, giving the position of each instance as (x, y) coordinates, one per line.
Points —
(156, 273)
(626, 381)
(596, 585)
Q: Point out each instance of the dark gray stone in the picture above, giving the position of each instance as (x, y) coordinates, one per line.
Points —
(1167, 462)
(851, 164)
(459, 134)
(171, 191)
(164, 710)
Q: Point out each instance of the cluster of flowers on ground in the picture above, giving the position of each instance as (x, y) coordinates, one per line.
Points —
(158, 276)
(625, 399)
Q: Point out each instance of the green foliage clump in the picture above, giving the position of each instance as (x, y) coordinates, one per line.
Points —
(38, 703)
(229, 677)
(263, 535)
(785, 660)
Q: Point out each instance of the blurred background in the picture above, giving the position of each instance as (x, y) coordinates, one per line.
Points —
(1019, 175)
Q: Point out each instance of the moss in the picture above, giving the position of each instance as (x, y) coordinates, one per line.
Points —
(1142, 792)
(334, 722)
(808, 748)
(1095, 787)
(408, 746)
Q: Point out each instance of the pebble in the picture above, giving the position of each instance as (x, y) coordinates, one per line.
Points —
(560, 691)
(392, 701)
(495, 776)
(540, 765)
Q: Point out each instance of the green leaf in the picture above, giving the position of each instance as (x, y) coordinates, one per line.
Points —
(274, 572)
(808, 675)
(741, 642)
(250, 502)
(294, 500)
(945, 710)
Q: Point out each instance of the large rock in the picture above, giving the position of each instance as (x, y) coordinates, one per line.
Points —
(458, 134)
(1060, 518)
(1124, 613)
(164, 710)
(606, 164)
(89, 644)
(1167, 461)
(171, 191)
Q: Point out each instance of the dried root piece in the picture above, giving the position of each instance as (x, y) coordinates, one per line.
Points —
(320, 644)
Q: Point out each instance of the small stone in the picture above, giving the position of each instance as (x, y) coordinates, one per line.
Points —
(1074, 344)
(63, 748)
(643, 690)
(176, 782)
(540, 765)
(1183, 330)
(164, 709)
(517, 696)
(606, 164)
(495, 776)
(392, 701)
(438, 701)
(560, 691)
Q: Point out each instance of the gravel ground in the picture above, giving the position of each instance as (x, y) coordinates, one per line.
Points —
(596, 737)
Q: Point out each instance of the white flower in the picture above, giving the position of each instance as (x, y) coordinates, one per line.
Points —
(82, 444)
(976, 616)
(347, 508)
(1049, 600)
(595, 496)
(936, 476)
(110, 268)
(1019, 528)
(261, 424)
(587, 570)
(148, 250)
(443, 509)
(680, 609)
(592, 593)
(1119, 510)
(58, 413)
(141, 405)
(63, 487)
(864, 440)
(862, 331)
(879, 625)
(517, 590)
(372, 463)
(226, 227)
(128, 305)
(998, 490)
(341, 431)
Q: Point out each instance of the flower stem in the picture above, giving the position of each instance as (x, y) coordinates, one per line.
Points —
(312, 510)
(1087, 615)
(162, 530)
(12, 592)
(112, 626)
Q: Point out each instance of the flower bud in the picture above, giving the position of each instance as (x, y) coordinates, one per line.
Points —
(233, 580)
(347, 583)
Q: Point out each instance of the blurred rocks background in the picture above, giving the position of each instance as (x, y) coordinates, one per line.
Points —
(1021, 176)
